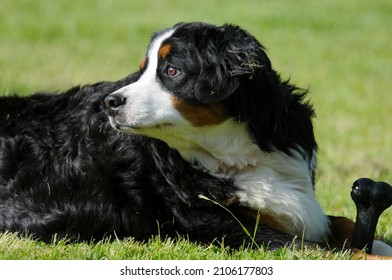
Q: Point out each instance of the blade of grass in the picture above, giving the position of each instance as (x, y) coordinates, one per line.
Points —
(238, 221)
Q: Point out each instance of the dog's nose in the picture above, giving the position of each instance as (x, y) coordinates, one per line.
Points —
(113, 102)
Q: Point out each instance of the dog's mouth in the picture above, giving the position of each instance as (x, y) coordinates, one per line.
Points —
(157, 126)
(139, 126)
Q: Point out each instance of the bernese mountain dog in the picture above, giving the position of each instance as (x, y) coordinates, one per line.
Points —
(205, 140)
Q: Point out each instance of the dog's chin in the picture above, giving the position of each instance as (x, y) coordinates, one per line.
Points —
(138, 127)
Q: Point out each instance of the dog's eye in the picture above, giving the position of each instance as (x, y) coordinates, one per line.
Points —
(172, 72)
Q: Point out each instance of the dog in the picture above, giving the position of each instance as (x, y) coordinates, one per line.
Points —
(204, 140)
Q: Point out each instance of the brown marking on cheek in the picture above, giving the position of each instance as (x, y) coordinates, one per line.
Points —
(142, 63)
(200, 115)
(164, 50)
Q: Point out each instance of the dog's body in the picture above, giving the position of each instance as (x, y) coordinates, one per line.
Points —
(229, 129)
(65, 171)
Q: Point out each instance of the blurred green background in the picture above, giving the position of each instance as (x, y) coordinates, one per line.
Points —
(340, 50)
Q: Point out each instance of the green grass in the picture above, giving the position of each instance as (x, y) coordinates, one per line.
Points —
(340, 50)
(13, 247)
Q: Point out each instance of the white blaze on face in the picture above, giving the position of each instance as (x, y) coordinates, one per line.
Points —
(148, 103)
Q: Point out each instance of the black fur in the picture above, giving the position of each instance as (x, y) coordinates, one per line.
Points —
(65, 171)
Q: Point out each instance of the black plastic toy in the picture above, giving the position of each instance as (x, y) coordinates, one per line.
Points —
(371, 199)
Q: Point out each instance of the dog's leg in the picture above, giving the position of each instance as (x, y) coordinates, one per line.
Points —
(341, 232)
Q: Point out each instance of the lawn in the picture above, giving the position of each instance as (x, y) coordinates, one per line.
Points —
(340, 50)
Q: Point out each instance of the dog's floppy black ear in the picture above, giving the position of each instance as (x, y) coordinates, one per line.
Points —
(230, 53)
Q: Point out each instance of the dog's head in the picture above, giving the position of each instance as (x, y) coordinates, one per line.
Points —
(199, 80)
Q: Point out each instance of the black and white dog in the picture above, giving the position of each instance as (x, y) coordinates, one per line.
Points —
(206, 115)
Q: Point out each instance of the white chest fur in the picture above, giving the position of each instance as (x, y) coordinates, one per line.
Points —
(281, 187)
(275, 183)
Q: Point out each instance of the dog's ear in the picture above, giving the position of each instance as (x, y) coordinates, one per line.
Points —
(230, 54)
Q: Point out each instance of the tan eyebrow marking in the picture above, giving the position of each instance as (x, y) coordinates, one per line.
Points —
(164, 50)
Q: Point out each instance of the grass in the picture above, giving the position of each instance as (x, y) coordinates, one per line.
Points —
(340, 50)
(13, 247)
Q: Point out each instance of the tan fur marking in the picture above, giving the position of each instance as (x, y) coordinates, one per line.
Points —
(200, 115)
(142, 63)
(164, 50)
(264, 219)
(271, 223)
(342, 230)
